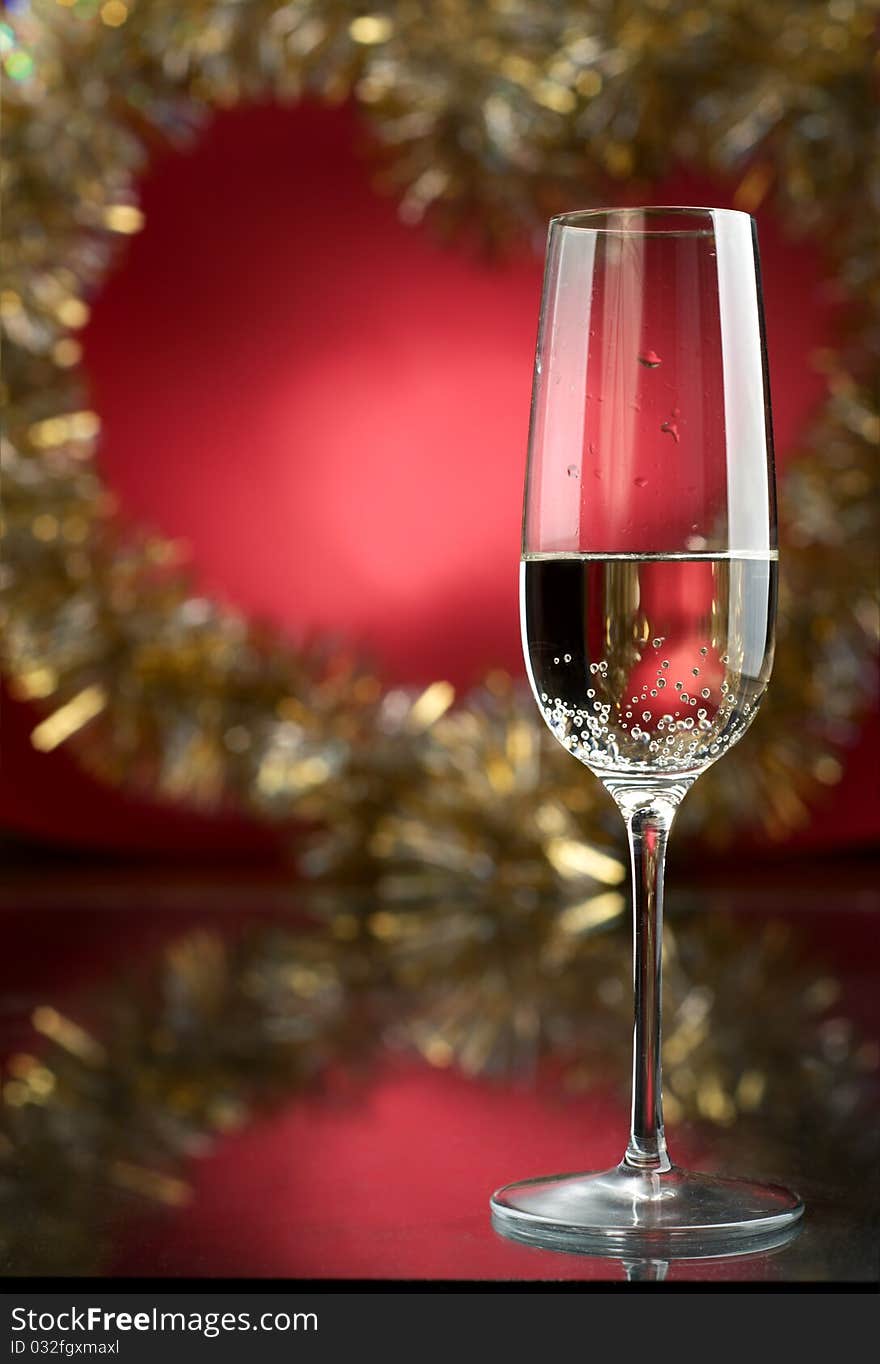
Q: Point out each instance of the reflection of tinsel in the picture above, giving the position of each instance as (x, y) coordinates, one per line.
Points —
(218, 1030)
(183, 1056)
(483, 113)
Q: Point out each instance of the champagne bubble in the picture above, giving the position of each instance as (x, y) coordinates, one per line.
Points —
(572, 471)
(695, 671)
(594, 667)
(678, 685)
(646, 715)
(591, 691)
(661, 681)
(567, 658)
(665, 663)
(658, 641)
(705, 691)
(704, 651)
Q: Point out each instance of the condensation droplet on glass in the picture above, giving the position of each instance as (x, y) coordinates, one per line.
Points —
(670, 428)
(650, 359)
(572, 471)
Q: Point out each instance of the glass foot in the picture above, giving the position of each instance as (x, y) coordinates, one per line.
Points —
(676, 1212)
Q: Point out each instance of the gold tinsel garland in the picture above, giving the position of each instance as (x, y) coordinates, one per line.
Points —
(484, 113)
(467, 841)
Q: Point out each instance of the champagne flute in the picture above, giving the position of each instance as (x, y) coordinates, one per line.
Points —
(648, 596)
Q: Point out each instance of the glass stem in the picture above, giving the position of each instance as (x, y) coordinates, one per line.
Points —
(648, 818)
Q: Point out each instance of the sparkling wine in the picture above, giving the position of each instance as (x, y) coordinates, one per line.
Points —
(646, 664)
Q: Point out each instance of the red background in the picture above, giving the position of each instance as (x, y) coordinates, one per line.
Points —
(331, 408)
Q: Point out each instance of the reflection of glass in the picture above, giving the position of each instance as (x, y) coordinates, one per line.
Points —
(758, 1253)
(648, 606)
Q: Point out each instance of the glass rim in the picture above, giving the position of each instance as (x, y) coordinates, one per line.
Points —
(588, 219)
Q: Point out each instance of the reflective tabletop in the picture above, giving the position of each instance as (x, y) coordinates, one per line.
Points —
(207, 1075)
